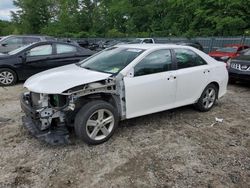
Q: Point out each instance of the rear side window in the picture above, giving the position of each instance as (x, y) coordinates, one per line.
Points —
(158, 61)
(63, 48)
(29, 40)
(41, 50)
(187, 58)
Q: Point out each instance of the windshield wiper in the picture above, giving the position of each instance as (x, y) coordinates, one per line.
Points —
(88, 68)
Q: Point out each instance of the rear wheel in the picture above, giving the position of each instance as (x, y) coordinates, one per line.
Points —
(208, 98)
(7, 77)
(96, 122)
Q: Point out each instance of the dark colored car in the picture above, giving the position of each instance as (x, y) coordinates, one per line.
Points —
(109, 43)
(23, 62)
(228, 52)
(239, 67)
(13, 42)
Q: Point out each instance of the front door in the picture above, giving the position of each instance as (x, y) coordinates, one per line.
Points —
(38, 59)
(66, 54)
(152, 87)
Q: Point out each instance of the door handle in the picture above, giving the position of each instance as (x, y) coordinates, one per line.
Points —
(172, 77)
(206, 71)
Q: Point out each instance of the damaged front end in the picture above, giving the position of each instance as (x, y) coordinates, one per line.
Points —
(47, 116)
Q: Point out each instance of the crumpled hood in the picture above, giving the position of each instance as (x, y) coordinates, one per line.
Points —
(58, 80)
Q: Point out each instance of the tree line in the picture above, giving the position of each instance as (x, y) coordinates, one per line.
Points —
(129, 18)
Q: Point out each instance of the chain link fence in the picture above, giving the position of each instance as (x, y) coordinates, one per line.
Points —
(209, 43)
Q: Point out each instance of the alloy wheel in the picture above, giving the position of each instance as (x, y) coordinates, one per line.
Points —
(100, 124)
(6, 77)
(209, 98)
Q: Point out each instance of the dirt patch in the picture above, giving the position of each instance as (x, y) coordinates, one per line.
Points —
(176, 148)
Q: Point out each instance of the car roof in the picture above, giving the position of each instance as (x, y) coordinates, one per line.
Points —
(152, 46)
(54, 41)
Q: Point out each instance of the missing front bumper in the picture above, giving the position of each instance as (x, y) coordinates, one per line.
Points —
(53, 136)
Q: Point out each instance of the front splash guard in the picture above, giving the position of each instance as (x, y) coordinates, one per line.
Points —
(58, 136)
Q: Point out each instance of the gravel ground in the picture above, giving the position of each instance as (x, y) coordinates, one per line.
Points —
(177, 148)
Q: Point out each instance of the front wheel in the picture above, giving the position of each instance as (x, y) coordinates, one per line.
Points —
(7, 77)
(96, 122)
(208, 98)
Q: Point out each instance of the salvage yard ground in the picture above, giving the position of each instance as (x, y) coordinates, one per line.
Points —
(177, 148)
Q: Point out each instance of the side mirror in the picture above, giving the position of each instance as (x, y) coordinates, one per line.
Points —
(23, 57)
(4, 44)
(27, 53)
(130, 73)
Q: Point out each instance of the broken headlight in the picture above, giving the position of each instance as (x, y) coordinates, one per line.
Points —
(58, 101)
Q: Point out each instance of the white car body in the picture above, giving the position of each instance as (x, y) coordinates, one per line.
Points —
(145, 94)
(63, 95)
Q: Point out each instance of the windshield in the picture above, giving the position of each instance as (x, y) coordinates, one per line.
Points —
(111, 60)
(13, 52)
(246, 52)
(136, 41)
(228, 49)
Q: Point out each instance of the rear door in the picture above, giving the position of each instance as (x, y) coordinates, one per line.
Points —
(192, 76)
(152, 87)
(66, 54)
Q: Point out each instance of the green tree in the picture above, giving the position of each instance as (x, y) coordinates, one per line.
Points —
(32, 15)
(142, 18)
(7, 28)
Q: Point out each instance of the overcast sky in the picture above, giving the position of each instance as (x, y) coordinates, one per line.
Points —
(5, 7)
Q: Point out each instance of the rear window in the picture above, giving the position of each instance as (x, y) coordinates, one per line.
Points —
(28, 40)
(228, 49)
(247, 52)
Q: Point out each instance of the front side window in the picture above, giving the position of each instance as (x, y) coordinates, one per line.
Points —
(187, 58)
(158, 61)
(63, 48)
(111, 60)
(40, 50)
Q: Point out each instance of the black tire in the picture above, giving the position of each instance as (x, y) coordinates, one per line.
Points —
(11, 72)
(85, 113)
(200, 105)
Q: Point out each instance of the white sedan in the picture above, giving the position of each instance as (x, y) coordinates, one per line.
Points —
(121, 82)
